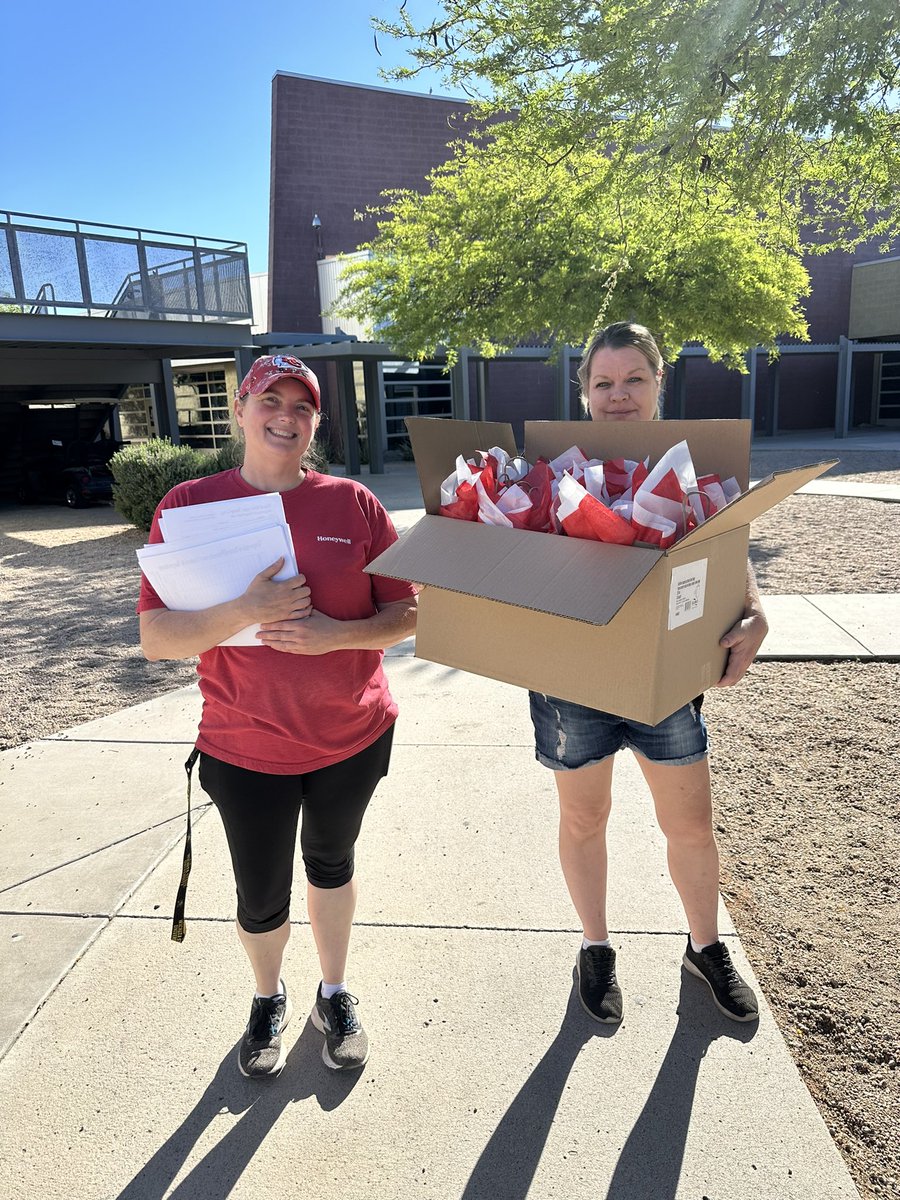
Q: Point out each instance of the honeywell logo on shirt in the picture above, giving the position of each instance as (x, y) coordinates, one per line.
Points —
(321, 537)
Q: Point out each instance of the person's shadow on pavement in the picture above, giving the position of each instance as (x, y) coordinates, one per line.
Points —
(508, 1162)
(261, 1101)
(649, 1166)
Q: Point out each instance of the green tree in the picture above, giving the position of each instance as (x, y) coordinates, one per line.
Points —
(494, 254)
(801, 93)
(667, 161)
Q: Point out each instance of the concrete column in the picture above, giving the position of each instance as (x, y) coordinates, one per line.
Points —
(459, 378)
(842, 394)
(347, 411)
(748, 386)
(773, 397)
(244, 358)
(164, 396)
(562, 409)
(481, 389)
(376, 427)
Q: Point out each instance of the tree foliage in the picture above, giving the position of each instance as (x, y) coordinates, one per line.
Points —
(802, 93)
(493, 255)
(668, 160)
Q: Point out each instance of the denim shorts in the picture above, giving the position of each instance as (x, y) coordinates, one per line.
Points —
(568, 736)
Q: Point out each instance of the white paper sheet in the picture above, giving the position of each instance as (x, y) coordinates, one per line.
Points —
(203, 561)
(194, 524)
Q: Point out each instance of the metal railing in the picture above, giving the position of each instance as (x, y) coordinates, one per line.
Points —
(46, 292)
(120, 271)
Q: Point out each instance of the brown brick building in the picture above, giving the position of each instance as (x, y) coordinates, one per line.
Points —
(336, 147)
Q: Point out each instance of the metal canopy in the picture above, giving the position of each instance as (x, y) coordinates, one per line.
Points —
(157, 339)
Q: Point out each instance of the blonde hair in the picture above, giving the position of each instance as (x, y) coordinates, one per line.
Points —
(622, 335)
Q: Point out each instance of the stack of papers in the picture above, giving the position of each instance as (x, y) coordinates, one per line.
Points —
(210, 553)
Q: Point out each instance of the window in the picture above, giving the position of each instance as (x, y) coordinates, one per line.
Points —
(413, 390)
(204, 411)
(136, 414)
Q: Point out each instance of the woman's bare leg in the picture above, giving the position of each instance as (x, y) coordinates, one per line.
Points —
(585, 798)
(683, 799)
(266, 954)
(331, 917)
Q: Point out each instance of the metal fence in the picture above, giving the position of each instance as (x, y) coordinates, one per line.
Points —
(51, 265)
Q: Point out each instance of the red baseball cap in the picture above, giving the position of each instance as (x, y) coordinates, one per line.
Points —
(265, 371)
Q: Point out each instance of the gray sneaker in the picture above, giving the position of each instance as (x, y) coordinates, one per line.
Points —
(262, 1051)
(346, 1045)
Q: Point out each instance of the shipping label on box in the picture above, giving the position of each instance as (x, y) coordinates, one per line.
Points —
(687, 592)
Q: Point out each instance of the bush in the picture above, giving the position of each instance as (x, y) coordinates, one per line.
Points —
(230, 455)
(143, 474)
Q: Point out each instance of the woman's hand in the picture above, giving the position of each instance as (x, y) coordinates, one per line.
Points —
(312, 634)
(268, 599)
(316, 633)
(744, 639)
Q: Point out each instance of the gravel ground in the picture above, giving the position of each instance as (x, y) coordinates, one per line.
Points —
(808, 816)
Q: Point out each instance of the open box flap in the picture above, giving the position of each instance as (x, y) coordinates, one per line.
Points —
(717, 447)
(569, 577)
(436, 443)
(753, 504)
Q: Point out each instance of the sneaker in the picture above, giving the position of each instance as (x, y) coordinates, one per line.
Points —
(598, 991)
(262, 1051)
(731, 994)
(346, 1045)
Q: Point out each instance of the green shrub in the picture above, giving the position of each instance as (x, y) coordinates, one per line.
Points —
(230, 455)
(143, 473)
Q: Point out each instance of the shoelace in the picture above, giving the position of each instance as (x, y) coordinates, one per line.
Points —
(599, 968)
(345, 1018)
(269, 1015)
(721, 967)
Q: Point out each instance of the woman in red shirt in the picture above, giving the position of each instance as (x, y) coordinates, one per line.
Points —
(297, 729)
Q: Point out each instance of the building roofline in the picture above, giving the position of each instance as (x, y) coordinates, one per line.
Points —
(373, 87)
(874, 262)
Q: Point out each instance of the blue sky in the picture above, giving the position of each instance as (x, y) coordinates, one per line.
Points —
(158, 116)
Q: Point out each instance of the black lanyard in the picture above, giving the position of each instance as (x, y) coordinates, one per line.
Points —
(178, 925)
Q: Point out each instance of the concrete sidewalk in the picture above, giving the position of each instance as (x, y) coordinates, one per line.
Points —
(486, 1080)
(118, 1075)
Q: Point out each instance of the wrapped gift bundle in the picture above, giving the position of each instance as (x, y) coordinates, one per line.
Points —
(619, 500)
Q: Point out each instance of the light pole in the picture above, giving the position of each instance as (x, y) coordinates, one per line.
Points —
(317, 226)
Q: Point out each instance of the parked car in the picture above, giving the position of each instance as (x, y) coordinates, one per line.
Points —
(76, 475)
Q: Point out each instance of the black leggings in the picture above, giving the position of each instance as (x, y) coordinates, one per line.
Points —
(260, 814)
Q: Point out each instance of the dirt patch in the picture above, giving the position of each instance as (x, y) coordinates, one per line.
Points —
(804, 759)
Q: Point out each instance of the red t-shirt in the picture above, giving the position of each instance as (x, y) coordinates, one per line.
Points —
(285, 714)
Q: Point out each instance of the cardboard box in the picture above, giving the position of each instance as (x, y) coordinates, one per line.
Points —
(626, 629)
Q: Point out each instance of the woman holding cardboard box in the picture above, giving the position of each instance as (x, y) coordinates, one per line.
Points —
(621, 376)
(301, 723)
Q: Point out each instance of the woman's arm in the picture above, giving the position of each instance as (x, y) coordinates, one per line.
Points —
(318, 634)
(167, 634)
(744, 639)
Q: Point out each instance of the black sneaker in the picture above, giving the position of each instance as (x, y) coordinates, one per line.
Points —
(598, 991)
(346, 1045)
(262, 1051)
(731, 994)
